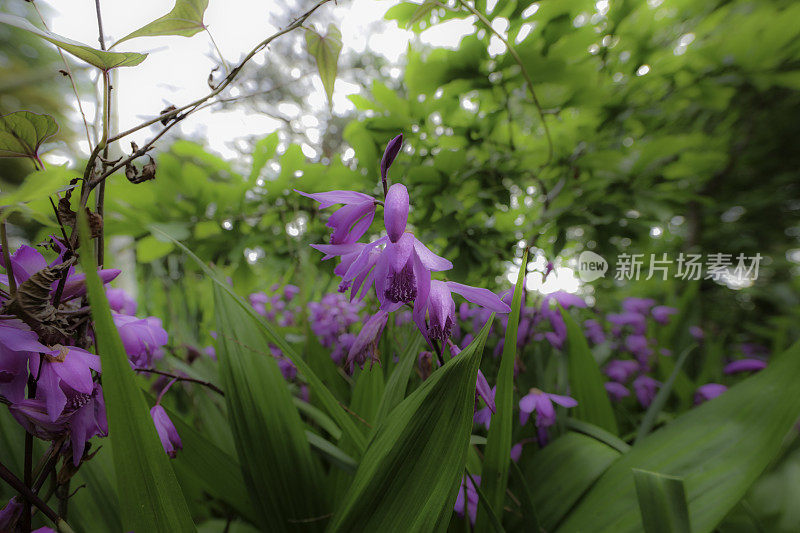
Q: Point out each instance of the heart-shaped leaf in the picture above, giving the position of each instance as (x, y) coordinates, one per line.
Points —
(23, 132)
(185, 18)
(325, 50)
(99, 58)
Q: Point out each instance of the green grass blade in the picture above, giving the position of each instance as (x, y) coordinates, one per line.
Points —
(279, 471)
(718, 448)
(333, 453)
(398, 381)
(409, 474)
(529, 514)
(586, 381)
(597, 433)
(203, 464)
(494, 475)
(660, 400)
(327, 399)
(486, 506)
(662, 502)
(149, 494)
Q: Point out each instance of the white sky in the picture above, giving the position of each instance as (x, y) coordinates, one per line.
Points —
(177, 68)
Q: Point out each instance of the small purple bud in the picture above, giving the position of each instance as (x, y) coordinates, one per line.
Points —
(395, 211)
(392, 149)
(170, 439)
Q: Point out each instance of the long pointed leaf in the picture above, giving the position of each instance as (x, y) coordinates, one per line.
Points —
(494, 475)
(586, 381)
(278, 467)
(718, 448)
(662, 502)
(328, 400)
(409, 474)
(395, 389)
(149, 494)
(185, 18)
(99, 58)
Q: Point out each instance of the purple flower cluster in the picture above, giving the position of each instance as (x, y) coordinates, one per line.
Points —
(398, 265)
(330, 320)
(41, 343)
(277, 306)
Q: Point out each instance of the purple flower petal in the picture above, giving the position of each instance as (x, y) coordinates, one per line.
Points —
(430, 260)
(331, 198)
(745, 365)
(395, 211)
(483, 297)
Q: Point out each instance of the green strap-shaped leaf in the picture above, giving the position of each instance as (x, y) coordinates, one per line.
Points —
(99, 58)
(409, 474)
(204, 465)
(586, 381)
(328, 400)
(718, 448)
(278, 468)
(563, 471)
(662, 502)
(149, 494)
(660, 400)
(398, 381)
(325, 50)
(494, 475)
(185, 18)
(22, 132)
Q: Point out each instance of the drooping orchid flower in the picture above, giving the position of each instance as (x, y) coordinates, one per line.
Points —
(351, 221)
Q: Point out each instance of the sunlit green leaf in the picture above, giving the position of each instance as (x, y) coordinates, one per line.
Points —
(185, 18)
(22, 132)
(99, 58)
(325, 50)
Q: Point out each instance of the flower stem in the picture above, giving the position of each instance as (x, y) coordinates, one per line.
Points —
(31, 498)
(12, 282)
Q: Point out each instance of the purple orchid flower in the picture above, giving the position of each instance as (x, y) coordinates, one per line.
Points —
(516, 452)
(593, 331)
(141, 337)
(564, 299)
(120, 301)
(167, 433)
(638, 305)
(645, 388)
(621, 370)
(467, 502)
(745, 365)
(636, 321)
(707, 392)
(639, 346)
(441, 309)
(18, 344)
(366, 344)
(351, 221)
(616, 391)
(697, 333)
(10, 514)
(542, 403)
(84, 416)
(661, 313)
(392, 149)
(64, 370)
(485, 392)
